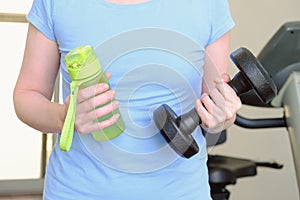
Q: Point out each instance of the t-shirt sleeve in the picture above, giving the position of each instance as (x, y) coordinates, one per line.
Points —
(221, 19)
(40, 16)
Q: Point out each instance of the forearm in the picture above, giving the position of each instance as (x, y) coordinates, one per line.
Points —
(219, 103)
(39, 112)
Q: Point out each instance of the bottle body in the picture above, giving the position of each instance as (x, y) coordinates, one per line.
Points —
(89, 73)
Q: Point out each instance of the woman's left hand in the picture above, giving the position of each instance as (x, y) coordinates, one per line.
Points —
(217, 109)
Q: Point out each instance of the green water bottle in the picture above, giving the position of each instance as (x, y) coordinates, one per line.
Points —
(85, 70)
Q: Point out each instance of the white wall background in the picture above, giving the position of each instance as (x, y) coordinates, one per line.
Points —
(256, 21)
(19, 145)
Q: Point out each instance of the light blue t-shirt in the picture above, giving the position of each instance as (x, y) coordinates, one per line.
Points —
(154, 51)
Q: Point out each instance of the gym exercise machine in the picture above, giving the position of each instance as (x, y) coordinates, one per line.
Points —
(281, 59)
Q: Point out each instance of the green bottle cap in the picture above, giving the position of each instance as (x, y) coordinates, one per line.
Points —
(81, 62)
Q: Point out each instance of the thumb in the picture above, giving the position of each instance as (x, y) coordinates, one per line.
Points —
(224, 78)
(67, 101)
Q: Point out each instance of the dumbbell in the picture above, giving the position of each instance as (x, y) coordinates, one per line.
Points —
(177, 130)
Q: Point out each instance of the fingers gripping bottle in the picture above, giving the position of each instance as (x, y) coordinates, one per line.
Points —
(85, 70)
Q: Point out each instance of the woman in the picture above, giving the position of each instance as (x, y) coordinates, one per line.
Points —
(138, 164)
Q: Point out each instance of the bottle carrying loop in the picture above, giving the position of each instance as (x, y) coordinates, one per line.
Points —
(66, 137)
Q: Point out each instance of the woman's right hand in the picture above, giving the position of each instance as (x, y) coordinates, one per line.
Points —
(86, 114)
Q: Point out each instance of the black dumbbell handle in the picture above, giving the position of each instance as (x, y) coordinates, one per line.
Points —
(190, 120)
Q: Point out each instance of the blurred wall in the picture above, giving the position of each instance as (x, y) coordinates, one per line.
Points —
(256, 22)
(20, 145)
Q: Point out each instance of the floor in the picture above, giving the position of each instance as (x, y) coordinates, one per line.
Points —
(24, 197)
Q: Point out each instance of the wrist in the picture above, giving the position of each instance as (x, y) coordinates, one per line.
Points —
(62, 112)
(220, 127)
